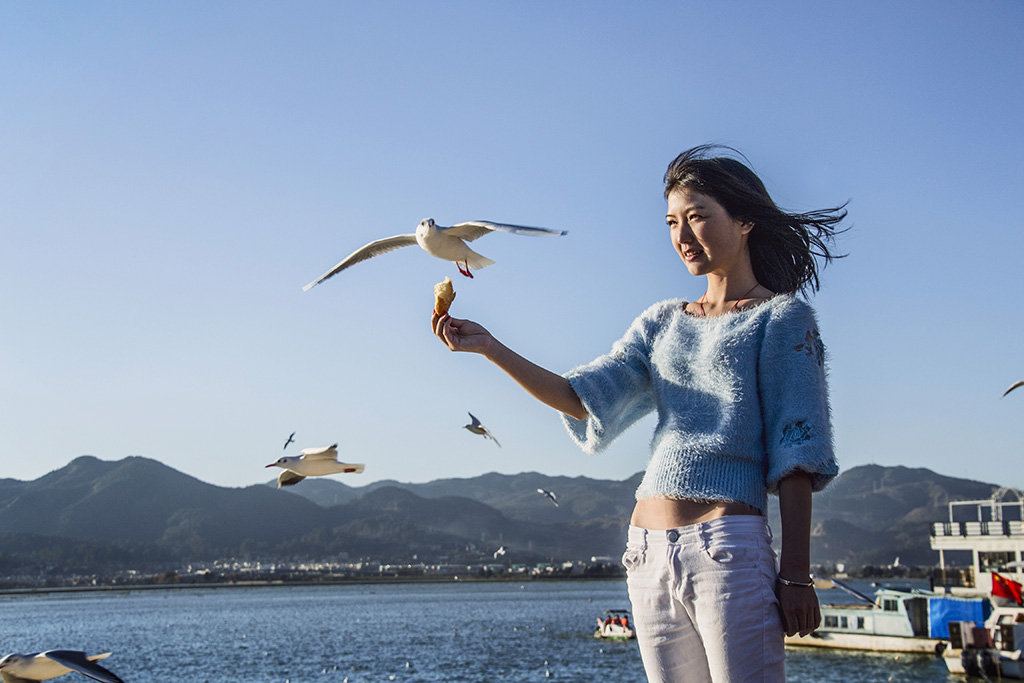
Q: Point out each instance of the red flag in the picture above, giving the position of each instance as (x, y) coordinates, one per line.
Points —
(1003, 587)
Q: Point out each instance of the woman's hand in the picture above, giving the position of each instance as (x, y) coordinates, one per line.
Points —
(461, 335)
(799, 607)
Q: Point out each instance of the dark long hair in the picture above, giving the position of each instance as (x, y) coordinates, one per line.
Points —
(784, 247)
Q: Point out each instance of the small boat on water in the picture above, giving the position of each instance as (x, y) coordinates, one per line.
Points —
(896, 620)
(615, 625)
(993, 650)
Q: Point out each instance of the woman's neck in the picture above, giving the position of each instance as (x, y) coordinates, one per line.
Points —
(724, 295)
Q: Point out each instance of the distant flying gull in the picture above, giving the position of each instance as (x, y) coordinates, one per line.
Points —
(478, 428)
(42, 666)
(448, 244)
(291, 439)
(314, 462)
(499, 551)
(550, 495)
(1012, 387)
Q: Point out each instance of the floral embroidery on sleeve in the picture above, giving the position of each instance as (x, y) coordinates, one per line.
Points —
(795, 433)
(813, 346)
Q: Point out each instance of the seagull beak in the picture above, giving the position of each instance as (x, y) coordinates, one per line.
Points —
(271, 464)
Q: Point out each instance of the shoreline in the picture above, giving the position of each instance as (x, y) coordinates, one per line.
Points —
(259, 583)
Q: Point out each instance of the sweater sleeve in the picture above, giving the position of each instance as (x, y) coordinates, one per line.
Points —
(615, 388)
(794, 398)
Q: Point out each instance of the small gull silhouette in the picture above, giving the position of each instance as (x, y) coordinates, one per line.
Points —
(1012, 387)
(499, 551)
(42, 666)
(448, 244)
(314, 462)
(478, 428)
(550, 495)
(291, 439)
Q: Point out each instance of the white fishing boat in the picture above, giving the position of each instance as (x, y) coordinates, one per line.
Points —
(615, 625)
(993, 532)
(896, 620)
(993, 650)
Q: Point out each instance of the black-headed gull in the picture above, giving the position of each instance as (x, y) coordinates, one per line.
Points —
(448, 244)
(478, 428)
(314, 462)
(550, 495)
(42, 666)
(1012, 387)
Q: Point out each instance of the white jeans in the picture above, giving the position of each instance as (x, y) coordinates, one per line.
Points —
(704, 605)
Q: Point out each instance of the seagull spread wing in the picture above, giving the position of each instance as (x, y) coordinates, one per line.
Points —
(369, 251)
(471, 230)
(80, 662)
(1012, 387)
(288, 478)
(487, 434)
(323, 453)
(476, 422)
(550, 495)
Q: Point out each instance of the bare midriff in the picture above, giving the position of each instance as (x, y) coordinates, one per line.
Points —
(669, 513)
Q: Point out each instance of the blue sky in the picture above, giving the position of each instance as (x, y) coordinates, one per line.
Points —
(174, 173)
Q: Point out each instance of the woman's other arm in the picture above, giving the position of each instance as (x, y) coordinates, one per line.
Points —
(799, 605)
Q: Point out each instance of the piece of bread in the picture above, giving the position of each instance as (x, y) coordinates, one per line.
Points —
(444, 295)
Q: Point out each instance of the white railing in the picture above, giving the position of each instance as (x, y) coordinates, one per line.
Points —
(1008, 528)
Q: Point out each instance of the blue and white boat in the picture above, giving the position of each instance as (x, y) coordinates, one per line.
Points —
(896, 620)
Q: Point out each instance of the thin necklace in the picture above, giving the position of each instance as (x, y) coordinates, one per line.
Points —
(701, 302)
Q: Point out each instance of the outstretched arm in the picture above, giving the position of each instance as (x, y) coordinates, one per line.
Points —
(799, 604)
(544, 385)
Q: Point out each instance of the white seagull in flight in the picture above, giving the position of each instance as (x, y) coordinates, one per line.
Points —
(550, 495)
(314, 462)
(42, 666)
(478, 428)
(448, 244)
(1012, 387)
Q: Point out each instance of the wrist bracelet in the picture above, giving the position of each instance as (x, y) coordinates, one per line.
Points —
(801, 584)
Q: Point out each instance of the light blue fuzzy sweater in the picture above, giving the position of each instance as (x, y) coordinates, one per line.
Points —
(741, 398)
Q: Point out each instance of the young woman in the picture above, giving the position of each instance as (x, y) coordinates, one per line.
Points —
(737, 379)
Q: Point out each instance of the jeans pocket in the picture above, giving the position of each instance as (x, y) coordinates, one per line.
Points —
(733, 551)
(632, 558)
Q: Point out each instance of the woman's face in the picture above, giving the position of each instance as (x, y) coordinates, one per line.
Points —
(704, 235)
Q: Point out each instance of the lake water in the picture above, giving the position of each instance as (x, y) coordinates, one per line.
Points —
(479, 632)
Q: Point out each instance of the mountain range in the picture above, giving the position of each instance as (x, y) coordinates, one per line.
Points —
(93, 514)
